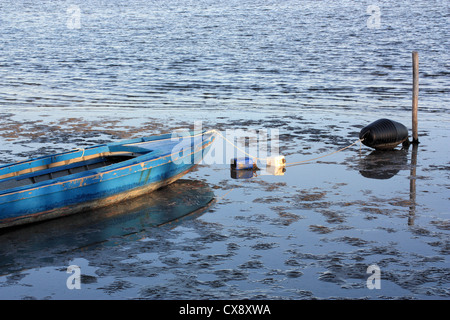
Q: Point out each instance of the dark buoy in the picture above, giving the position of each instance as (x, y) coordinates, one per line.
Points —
(242, 164)
(384, 134)
(242, 168)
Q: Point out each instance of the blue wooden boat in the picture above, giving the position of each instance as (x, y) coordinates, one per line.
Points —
(85, 179)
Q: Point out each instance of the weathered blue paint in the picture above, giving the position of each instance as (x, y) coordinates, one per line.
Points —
(156, 165)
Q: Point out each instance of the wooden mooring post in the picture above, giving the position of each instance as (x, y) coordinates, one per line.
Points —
(415, 96)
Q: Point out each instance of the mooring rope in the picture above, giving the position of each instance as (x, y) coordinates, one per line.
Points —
(81, 149)
(258, 158)
(287, 163)
(235, 146)
(326, 155)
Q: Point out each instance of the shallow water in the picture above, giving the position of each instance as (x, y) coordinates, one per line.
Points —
(310, 233)
(314, 71)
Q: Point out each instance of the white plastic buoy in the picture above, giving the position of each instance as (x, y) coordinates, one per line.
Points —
(276, 161)
(276, 165)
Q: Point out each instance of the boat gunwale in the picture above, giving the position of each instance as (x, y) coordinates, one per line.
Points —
(53, 157)
(123, 165)
(73, 209)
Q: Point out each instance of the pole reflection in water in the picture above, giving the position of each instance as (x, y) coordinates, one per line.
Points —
(386, 164)
(412, 185)
(43, 243)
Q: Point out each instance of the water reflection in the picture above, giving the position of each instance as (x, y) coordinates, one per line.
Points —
(386, 164)
(412, 185)
(46, 242)
(383, 164)
(241, 174)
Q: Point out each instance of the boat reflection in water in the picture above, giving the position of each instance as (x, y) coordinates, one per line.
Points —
(38, 244)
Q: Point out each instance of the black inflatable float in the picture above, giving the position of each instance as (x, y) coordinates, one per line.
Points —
(384, 134)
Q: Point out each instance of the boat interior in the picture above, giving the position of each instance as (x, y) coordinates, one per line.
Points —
(53, 172)
(55, 166)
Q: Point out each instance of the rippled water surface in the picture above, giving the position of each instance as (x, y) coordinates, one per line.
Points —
(215, 54)
(316, 71)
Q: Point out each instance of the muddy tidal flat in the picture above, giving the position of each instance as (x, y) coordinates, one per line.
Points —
(315, 232)
(358, 224)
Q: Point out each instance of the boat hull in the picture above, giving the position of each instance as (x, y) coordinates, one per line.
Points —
(95, 189)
